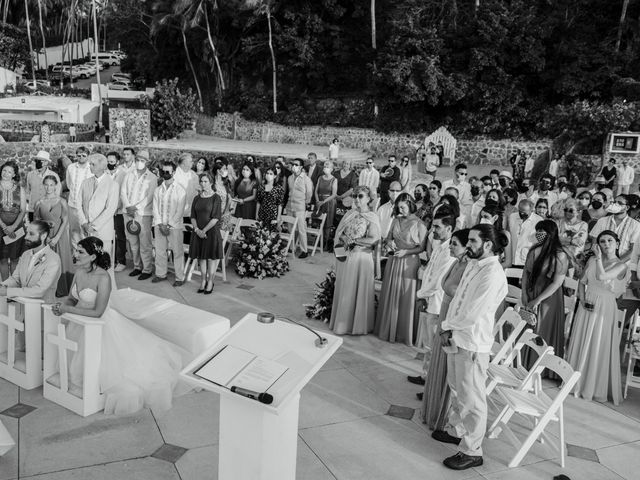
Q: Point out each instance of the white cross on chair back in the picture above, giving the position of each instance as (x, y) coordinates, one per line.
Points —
(449, 143)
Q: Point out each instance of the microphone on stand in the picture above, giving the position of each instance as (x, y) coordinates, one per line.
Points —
(265, 398)
(266, 317)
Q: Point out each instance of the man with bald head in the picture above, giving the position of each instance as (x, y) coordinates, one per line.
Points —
(99, 197)
(385, 211)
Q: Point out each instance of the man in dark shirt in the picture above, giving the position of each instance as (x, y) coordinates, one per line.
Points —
(388, 174)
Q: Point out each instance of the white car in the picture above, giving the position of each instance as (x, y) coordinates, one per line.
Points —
(121, 77)
(118, 86)
(41, 83)
(89, 66)
(83, 71)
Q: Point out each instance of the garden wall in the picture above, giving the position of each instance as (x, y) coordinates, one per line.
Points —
(375, 143)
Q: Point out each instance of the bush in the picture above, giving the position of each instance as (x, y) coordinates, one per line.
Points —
(172, 111)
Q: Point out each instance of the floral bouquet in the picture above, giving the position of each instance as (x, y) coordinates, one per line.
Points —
(320, 309)
(262, 254)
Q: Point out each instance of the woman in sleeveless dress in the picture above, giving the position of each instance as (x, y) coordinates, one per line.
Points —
(395, 320)
(594, 347)
(353, 309)
(325, 197)
(137, 368)
(13, 207)
(51, 208)
(347, 181)
(245, 189)
(222, 187)
(435, 399)
(270, 197)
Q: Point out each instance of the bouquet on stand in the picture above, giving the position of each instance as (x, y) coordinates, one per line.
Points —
(320, 309)
(262, 254)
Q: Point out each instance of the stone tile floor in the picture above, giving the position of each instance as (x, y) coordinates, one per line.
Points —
(359, 416)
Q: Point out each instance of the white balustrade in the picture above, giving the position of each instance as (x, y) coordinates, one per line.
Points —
(22, 316)
(84, 399)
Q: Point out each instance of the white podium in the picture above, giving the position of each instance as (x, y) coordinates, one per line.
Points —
(258, 441)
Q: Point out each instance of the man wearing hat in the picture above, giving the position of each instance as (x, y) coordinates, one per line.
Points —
(35, 178)
(137, 201)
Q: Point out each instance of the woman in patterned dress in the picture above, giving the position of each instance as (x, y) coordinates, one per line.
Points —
(270, 200)
(222, 187)
(13, 207)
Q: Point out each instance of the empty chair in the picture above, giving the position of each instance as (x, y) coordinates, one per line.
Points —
(514, 294)
(316, 233)
(507, 330)
(289, 236)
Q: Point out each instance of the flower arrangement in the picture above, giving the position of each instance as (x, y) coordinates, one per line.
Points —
(262, 254)
(320, 309)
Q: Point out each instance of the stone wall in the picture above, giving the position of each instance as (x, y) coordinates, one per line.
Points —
(375, 143)
(130, 126)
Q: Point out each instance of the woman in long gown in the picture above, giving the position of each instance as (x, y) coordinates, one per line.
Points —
(594, 347)
(270, 197)
(222, 187)
(325, 196)
(544, 272)
(137, 368)
(51, 208)
(395, 320)
(353, 310)
(246, 189)
(435, 399)
(347, 181)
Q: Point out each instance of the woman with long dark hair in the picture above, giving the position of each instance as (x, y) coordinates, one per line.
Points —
(544, 272)
(245, 190)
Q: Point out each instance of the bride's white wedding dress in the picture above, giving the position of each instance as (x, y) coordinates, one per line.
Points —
(137, 369)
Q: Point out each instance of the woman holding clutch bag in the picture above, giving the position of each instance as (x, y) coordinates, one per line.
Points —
(353, 310)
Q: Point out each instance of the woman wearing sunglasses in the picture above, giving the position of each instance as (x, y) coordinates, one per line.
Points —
(572, 230)
(353, 311)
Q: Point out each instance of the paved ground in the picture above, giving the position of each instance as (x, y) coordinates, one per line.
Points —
(346, 431)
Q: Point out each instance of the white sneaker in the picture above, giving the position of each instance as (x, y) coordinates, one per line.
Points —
(119, 267)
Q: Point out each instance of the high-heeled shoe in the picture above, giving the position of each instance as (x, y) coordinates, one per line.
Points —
(202, 288)
(207, 292)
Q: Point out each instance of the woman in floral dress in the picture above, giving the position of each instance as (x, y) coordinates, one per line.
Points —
(270, 198)
(353, 309)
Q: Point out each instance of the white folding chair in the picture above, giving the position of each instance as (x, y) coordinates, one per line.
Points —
(290, 235)
(506, 341)
(514, 293)
(634, 356)
(317, 232)
(233, 238)
(510, 372)
(536, 406)
(222, 263)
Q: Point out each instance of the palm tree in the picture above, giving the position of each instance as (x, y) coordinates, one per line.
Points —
(374, 47)
(33, 67)
(95, 52)
(623, 17)
(44, 43)
(264, 7)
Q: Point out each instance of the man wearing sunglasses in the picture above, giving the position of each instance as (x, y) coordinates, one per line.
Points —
(77, 173)
(370, 178)
(385, 211)
(388, 175)
(300, 194)
(464, 189)
(545, 191)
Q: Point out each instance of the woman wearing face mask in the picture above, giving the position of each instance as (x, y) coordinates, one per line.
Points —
(246, 189)
(325, 197)
(347, 181)
(200, 166)
(435, 187)
(53, 210)
(222, 187)
(510, 204)
(493, 215)
(597, 209)
(542, 208)
(13, 207)
(282, 179)
(424, 207)
(435, 399)
(407, 237)
(594, 347)
(270, 200)
(544, 272)
(573, 232)
(584, 201)
(353, 311)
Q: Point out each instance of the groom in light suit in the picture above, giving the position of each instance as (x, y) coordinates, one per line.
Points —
(99, 197)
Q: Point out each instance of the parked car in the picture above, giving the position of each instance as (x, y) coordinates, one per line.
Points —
(90, 67)
(66, 71)
(121, 77)
(108, 58)
(118, 86)
(32, 86)
(83, 71)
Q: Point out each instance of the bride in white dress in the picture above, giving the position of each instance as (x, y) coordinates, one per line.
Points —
(137, 369)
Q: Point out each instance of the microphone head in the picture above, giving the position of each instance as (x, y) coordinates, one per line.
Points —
(265, 398)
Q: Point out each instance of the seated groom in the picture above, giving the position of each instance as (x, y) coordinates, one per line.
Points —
(38, 270)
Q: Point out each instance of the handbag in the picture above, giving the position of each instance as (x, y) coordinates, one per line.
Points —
(529, 316)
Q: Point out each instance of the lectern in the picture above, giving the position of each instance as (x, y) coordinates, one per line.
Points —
(259, 441)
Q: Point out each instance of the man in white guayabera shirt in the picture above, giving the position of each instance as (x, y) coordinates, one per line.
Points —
(467, 333)
(77, 173)
(431, 289)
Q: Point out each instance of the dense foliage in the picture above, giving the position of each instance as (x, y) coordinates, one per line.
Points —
(491, 67)
(172, 111)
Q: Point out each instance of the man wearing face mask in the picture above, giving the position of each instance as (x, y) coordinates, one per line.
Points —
(120, 241)
(478, 205)
(544, 191)
(168, 209)
(77, 173)
(300, 194)
(137, 200)
(522, 230)
(388, 175)
(627, 229)
(385, 211)
(99, 202)
(314, 171)
(35, 178)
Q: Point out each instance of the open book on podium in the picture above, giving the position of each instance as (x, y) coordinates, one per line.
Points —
(277, 358)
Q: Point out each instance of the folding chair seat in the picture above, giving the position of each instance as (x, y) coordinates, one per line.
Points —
(316, 232)
(289, 236)
(514, 293)
(507, 330)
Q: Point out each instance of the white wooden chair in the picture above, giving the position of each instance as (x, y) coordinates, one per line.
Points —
(514, 293)
(84, 399)
(634, 356)
(191, 266)
(21, 315)
(448, 141)
(316, 232)
(536, 406)
(290, 235)
(510, 372)
(504, 344)
(232, 239)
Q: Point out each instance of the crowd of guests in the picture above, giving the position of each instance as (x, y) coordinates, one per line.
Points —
(444, 248)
